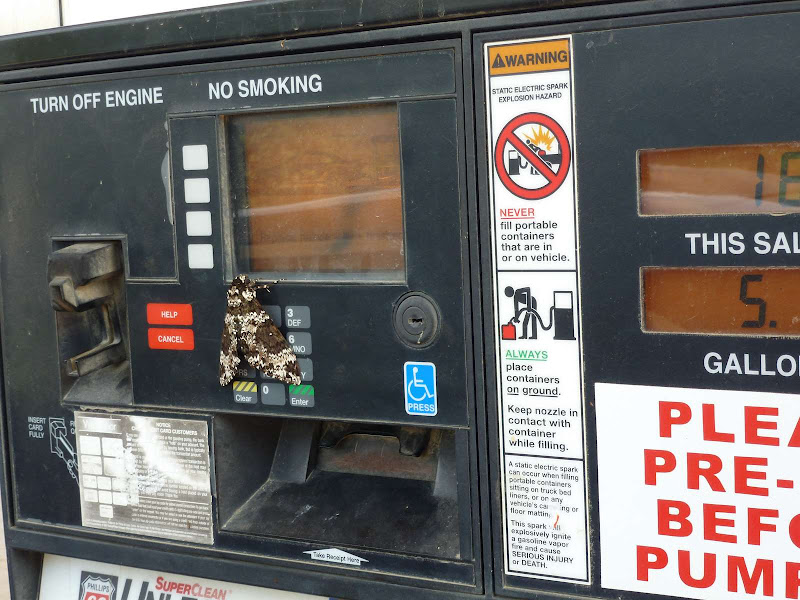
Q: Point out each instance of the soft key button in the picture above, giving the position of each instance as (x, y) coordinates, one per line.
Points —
(201, 256)
(169, 314)
(196, 190)
(195, 158)
(198, 223)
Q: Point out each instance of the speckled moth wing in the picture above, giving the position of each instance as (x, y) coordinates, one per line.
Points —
(228, 352)
(266, 350)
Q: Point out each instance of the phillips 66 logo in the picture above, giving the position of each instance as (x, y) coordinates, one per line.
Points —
(95, 586)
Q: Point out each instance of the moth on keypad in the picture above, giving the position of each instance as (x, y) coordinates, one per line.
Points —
(249, 330)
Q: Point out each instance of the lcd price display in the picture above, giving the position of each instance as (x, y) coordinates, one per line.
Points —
(728, 300)
(755, 178)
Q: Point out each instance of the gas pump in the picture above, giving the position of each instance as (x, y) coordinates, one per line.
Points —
(523, 327)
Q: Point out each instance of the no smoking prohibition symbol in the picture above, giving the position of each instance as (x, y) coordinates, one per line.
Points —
(536, 158)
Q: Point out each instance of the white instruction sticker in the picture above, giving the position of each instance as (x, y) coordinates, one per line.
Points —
(539, 372)
(145, 475)
(698, 491)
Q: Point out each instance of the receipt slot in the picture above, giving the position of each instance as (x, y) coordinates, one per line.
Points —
(431, 302)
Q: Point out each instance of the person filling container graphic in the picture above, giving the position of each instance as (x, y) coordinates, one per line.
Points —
(525, 303)
(561, 315)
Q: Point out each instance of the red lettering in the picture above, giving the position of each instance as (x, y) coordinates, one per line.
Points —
(738, 568)
(711, 522)
(159, 583)
(710, 432)
(644, 563)
(752, 425)
(755, 526)
(742, 475)
(792, 579)
(652, 466)
(709, 570)
(694, 471)
(673, 511)
(516, 213)
(672, 413)
(794, 441)
(794, 530)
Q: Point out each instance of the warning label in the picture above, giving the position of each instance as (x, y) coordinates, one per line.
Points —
(545, 510)
(145, 475)
(539, 372)
(698, 491)
(529, 58)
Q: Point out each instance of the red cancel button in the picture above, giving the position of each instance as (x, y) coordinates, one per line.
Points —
(169, 314)
(170, 339)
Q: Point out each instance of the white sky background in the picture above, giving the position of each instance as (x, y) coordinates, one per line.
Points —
(17, 16)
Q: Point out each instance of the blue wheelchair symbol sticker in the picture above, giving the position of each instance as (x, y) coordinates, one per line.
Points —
(420, 388)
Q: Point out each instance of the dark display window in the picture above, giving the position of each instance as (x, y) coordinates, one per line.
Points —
(316, 194)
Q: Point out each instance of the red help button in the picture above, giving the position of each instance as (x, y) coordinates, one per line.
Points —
(169, 314)
(170, 339)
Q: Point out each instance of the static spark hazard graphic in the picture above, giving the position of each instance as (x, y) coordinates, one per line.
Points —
(698, 491)
(532, 156)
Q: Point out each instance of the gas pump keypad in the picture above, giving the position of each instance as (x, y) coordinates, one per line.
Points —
(274, 393)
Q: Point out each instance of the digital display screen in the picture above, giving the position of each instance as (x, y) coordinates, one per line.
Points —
(724, 300)
(755, 178)
(316, 194)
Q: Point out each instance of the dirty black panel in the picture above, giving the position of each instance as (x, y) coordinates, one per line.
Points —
(245, 23)
(406, 507)
(105, 168)
(687, 90)
(710, 83)
(75, 180)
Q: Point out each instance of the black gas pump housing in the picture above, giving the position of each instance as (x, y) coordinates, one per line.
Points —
(97, 227)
